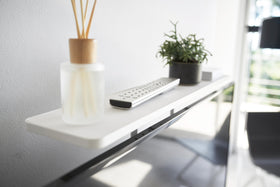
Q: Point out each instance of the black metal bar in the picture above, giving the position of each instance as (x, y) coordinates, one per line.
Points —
(253, 28)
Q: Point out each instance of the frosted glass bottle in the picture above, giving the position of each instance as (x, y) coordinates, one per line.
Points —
(82, 84)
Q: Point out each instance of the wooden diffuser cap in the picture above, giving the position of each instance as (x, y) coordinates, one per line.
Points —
(82, 51)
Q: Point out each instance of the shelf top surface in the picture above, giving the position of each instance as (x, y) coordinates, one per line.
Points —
(117, 124)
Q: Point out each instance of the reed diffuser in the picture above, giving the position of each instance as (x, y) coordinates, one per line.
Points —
(82, 80)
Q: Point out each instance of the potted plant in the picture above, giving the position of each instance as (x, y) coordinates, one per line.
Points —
(184, 56)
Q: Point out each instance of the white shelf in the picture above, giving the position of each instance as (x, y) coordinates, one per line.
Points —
(118, 124)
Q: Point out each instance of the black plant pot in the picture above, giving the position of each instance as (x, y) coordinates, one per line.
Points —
(189, 73)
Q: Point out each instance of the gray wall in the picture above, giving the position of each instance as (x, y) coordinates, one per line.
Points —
(34, 41)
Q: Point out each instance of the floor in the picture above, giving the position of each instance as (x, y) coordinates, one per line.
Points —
(159, 162)
(245, 174)
(162, 162)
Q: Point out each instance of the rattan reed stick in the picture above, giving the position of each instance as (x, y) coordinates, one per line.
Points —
(76, 19)
(83, 18)
(73, 92)
(85, 93)
(90, 19)
(85, 15)
(90, 89)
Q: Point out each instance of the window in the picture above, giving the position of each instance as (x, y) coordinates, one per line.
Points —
(264, 64)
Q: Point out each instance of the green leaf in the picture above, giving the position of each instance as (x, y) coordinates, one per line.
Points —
(187, 49)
